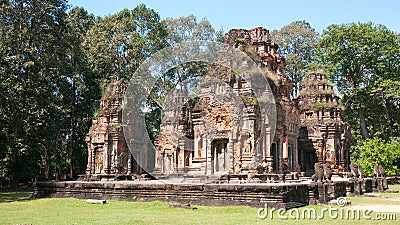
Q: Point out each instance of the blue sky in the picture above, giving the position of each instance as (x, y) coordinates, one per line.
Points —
(269, 14)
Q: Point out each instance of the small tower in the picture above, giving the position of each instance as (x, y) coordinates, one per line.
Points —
(324, 136)
(108, 154)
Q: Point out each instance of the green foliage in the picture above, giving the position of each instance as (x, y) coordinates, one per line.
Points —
(186, 29)
(377, 151)
(54, 66)
(34, 88)
(180, 30)
(297, 42)
(363, 61)
(318, 105)
(117, 44)
(250, 101)
(252, 53)
(240, 39)
(83, 91)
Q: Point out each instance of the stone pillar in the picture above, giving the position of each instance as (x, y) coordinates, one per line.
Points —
(92, 167)
(341, 154)
(175, 155)
(267, 143)
(181, 156)
(129, 166)
(296, 153)
(357, 187)
(280, 155)
(156, 159)
(216, 160)
(285, 150)
(106, 168)
(90, 152)
(253, 141)
(162, 163)
(384, 183)
(196, 145)
(204, 147)
(311, 195)
(363, 187)
(231, 157)
(357, 190)
(114, 152)
(330, 190)
(348, 189)
(322, 193)
(320, 151)
(208, 156)
(167, 162)
(379, 186)
(191, 157)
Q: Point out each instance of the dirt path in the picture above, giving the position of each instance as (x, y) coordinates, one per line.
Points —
(378, 208)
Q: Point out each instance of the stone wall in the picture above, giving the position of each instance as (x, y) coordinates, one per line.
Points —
(254, 195)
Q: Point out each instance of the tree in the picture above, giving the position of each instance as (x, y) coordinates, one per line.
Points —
(377, 151)
(81, 88)
(297, 42)
(116, 45)
(30, 63)
(180, 30)
(48, 90)
(361, 58)
(186, 29)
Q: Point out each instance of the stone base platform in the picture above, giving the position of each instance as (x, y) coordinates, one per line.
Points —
(278, 195)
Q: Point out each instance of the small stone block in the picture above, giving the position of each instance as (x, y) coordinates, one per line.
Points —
(372, 195)
(95, 201)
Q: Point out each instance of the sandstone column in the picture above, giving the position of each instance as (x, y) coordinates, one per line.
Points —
(208, 156)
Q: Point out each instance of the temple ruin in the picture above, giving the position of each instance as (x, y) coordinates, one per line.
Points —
(323, 135)
(220, 149)
(108, 154)
(309, 128)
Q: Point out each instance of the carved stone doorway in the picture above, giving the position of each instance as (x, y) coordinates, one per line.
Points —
(310, 158)
(219, 155)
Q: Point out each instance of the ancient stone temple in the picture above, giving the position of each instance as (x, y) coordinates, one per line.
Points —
(222, 130)
(218, 133)
(216, 141)
(107, 150)
(324, 136)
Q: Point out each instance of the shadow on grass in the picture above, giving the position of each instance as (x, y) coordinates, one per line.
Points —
(16, 195)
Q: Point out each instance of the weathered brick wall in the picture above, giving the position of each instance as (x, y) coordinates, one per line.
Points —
(254, 195)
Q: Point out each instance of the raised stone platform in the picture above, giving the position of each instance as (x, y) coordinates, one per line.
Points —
(254, 191)
(279, 195)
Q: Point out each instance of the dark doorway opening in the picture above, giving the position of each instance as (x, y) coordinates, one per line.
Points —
(219, 156)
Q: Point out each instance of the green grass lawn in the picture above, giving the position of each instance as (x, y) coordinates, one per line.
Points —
(18, 208)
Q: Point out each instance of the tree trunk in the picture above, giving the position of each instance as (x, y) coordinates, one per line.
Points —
(47, 163)
(13, 155)
(363, 124)
(13, 177)
(73, 103)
